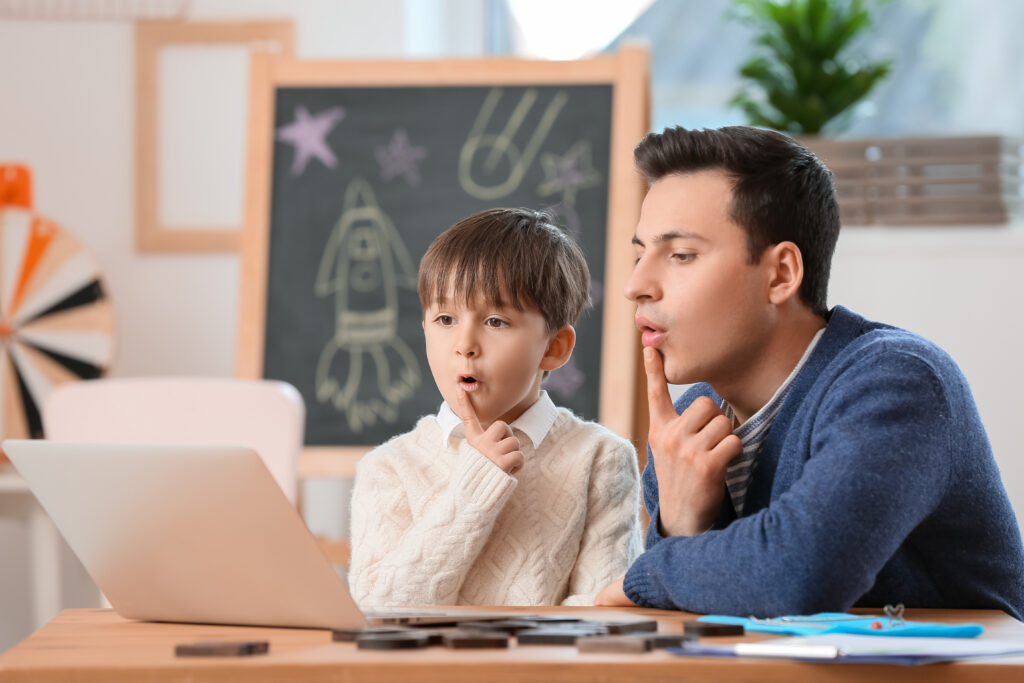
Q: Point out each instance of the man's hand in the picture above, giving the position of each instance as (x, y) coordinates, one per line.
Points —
(498, 442)
(691, 454)
(612, 595)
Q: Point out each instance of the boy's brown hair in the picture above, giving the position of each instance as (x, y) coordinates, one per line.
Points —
(515, 253)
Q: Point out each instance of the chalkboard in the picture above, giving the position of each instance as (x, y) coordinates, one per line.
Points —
(350, 182)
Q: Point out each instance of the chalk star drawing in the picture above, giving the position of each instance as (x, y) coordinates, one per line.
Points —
(569, 173)
(568, 216)
(366, 370)
(400, 158)
(308, 135)
(566, 380)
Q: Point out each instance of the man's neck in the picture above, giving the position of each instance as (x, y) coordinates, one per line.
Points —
(753, 387)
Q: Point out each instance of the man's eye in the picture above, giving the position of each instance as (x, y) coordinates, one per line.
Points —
(684, 258)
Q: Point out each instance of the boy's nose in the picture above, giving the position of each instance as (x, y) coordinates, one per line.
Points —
(467, 347)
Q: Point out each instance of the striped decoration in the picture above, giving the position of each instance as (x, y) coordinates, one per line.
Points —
(56, 320)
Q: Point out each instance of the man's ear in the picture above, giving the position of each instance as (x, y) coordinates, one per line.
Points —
(559, 349)
(786, 271)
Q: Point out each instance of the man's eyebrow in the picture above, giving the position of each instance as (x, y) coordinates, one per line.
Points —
(669, 236)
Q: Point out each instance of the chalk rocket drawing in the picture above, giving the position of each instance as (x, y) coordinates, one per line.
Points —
(366, 371)
(501, 146)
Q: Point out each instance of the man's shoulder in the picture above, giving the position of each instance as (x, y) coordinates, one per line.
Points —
(882, 346)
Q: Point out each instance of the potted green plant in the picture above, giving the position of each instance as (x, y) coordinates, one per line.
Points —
(803, 79)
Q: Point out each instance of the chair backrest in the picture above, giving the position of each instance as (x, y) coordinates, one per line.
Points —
(265, 415)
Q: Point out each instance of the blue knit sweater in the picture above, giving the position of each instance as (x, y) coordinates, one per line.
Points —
(875, 485)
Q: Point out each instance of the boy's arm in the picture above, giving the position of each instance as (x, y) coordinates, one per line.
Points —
(612, 536)
(879, 465)
(402, 559)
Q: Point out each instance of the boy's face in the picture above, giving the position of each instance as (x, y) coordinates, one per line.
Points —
(496, 354)
(699, 301)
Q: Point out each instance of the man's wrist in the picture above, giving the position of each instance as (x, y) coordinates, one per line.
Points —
(685, 529)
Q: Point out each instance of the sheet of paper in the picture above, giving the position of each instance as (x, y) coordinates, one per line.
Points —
(837, 645)
(854, 649)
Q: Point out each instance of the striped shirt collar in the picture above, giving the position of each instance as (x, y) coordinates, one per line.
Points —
(535, 423)
(754, 431)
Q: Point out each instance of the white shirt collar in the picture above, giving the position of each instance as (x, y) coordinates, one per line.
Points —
(535, 422)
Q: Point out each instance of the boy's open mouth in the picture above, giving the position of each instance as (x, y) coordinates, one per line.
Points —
(468, 382)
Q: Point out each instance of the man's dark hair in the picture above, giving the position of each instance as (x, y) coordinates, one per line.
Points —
(781, 191)
(515, 253)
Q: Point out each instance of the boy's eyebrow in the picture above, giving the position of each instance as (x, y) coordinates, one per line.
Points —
(669, 236)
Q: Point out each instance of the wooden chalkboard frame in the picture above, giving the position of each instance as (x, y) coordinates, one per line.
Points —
(626, 71)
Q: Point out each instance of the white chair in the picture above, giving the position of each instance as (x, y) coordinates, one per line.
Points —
(265, 415)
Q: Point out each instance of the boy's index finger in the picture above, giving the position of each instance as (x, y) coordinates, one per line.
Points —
(659, 402)
(470, 422)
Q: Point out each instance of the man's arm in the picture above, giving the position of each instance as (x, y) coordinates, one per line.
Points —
(878, 465)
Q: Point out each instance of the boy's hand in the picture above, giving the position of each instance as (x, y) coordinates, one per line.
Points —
(613, 595)
(498, 442)
(691, 452)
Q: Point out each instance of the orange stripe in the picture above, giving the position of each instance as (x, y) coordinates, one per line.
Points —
(15, 186)
(42, 234)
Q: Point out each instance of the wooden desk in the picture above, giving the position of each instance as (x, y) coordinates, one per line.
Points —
(98, 645)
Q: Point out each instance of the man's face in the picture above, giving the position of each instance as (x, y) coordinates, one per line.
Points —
(492, 353)
(699, 301)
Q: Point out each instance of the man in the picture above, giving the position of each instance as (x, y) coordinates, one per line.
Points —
(822, 460)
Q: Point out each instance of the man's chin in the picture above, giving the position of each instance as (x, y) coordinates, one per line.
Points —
(677, 375)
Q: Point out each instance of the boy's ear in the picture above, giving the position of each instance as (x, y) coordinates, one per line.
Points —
(559, 349)
(786, 273)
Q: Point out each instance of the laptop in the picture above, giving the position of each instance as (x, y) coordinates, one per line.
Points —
(195, 533)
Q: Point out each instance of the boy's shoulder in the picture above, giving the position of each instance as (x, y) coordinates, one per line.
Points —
(404, 447)
(569, 426)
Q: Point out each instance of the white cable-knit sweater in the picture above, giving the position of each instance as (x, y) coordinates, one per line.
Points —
(435, 525)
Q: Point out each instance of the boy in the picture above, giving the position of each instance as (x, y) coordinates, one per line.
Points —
(822, 460)
(501, 498)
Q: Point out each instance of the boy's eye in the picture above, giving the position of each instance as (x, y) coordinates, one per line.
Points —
(495, 322)
(444, 320)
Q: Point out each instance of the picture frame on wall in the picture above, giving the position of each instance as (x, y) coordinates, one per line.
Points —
(191, 131)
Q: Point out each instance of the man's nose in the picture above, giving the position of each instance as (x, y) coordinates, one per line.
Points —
(641, 283)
